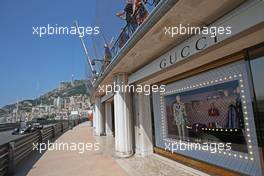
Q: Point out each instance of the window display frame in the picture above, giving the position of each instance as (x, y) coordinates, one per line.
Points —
(235, 71)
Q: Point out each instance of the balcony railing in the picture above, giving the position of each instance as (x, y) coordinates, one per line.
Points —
(140, 16)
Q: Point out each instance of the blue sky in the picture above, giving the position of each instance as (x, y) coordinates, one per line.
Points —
(31, 66)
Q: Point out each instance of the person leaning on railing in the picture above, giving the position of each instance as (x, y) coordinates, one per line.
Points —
(127, 14)
(140, 13)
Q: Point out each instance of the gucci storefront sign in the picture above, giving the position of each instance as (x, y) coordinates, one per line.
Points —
(187, 50)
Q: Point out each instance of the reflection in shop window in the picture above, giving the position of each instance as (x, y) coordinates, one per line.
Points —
(209, 114)
(257, 66)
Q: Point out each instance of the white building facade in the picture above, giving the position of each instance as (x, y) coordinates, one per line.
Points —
(216, 80)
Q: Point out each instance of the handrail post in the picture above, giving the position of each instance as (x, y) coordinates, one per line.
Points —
(40, 136)
(62, 127)
(11, 154)
(72, 125)
(53, 131)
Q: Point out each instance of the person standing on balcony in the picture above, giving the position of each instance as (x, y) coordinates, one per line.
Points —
(127, 14)
(140, 12)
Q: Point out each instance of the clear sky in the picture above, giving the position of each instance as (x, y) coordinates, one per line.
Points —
(31, 66)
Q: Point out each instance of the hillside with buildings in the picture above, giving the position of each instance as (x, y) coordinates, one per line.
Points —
(69, 96)
(65, 89)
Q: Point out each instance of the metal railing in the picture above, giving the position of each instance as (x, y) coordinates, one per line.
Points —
(11, 126)
(4, 159)
(130, 29)
(16, 150)
(8, 126)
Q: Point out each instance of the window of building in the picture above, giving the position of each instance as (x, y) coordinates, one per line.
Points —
(208, 114)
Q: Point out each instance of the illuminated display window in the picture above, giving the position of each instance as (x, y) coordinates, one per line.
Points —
(207, 114)
(213, 108)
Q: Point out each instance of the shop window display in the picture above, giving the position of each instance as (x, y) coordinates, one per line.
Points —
(207, 114)
(209, 117)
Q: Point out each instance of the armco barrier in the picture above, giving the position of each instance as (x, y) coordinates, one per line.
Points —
(15, 151)
(4, 154)
(23, 146)
(8, 126)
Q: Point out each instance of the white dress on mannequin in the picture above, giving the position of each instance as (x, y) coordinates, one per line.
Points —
(179, 115)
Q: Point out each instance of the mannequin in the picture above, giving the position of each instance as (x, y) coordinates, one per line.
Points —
(179, 115)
